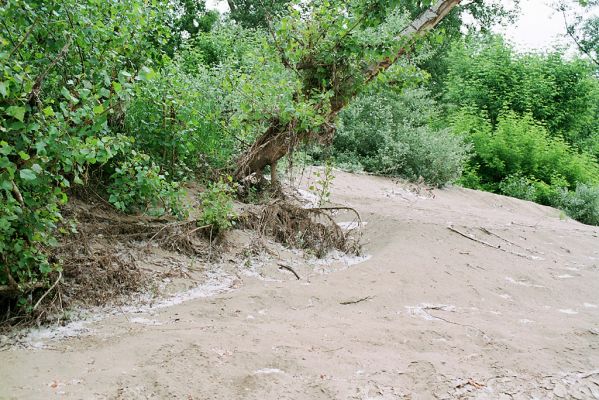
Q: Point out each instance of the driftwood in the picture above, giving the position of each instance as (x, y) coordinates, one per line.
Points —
(498, 247)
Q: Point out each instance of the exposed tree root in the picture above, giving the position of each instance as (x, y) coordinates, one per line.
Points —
(307, 228)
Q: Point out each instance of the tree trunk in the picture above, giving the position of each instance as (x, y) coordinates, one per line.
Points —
(279, 138)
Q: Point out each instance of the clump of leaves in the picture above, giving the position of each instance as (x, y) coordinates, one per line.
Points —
(67, 72)
(137, 184)
(322, 185)
(581, 204)
(217, 205)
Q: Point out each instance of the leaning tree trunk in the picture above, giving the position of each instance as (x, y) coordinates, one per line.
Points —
(279, 139)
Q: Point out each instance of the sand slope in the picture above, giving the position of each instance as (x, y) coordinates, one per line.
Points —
(432, 314)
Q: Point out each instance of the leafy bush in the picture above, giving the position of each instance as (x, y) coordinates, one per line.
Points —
(581, 204)
(392, 134)
(518, 158)
(65, 81)
(519, 146)
(563, 94)
(176, 118)
(519, 187)
(217, 205)
(138, 185)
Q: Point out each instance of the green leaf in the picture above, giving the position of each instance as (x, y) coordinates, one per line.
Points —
(99, 109)
(27, 174)
(24, 155)
(48, 111)
(65, 92)
(37, 168)
(3, 89)
(6, 185)
(117, 87)
(147, 74)
(16, 112)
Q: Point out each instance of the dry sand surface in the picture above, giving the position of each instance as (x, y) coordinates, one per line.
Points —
(504, 305)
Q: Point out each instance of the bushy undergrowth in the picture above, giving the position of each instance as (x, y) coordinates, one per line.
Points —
(520, 146)
(90, 96)
(63, 90)
(487, 73)
(217, 205)
(581, 204)
(393, 134)
(518, 158)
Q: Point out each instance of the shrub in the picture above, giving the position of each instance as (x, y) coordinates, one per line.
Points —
(138, 185)
(559, 92)
(581, 204)
(65, 82)
(392, 134)
(520, 146)
(519, 187)
(217, 205)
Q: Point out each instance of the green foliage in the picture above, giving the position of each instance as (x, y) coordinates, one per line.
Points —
(489, 75)
(518, 158)
(68, 71)
(217, 205)
(518, 186)
(581, 204)
(176, 119)
(322, 185)
(519, 146)
(257, 13)
(137, 184)
(393, 134)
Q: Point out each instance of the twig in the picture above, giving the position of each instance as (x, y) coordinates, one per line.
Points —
(48, 291)
(488, 232)
(16, 48)
(339, 208)
(345, 303)
(37, 86)
(167, 226)
(198, 228)
(498, 247)
(450, 322)
(17, 193)
(288, 268)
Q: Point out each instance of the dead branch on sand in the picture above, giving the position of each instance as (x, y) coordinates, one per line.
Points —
(498, 247)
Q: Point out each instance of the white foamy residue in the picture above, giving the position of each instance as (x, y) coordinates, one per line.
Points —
(351, 225)
(523, 283)
(568, 311)
(266, 371)
(215, 283)
(309, 198)
(420, 310)
(337, 256)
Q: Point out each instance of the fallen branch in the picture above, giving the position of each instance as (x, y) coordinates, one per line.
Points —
(345, 303)
(488, 232)
(424, 309)
(48, 291)
(498, 247)
(288, 268)
(198, 228)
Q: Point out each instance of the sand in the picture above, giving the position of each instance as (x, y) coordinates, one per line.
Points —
(504, 305)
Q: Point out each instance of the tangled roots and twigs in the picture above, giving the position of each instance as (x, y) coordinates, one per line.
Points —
(307, 228)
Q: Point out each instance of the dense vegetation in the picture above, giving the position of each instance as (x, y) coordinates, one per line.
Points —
(129, 100)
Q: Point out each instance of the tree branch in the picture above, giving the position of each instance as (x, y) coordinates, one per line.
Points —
(417, 28)
(570, 32)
